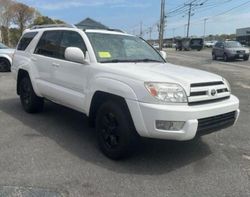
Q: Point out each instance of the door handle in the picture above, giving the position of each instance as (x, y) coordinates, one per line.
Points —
(55, 65)
(33, 59)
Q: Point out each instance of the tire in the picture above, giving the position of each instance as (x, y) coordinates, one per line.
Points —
(225, 57)
(246, 58)
(30, 101)
(115, 130)
(214, 57)
(4, 65)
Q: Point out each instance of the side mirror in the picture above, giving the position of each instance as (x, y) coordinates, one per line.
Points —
(74, 54)
(163, 54)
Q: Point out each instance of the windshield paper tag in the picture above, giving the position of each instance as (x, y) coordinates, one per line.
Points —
(104, 54)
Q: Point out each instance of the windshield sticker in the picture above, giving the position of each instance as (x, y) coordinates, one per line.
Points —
(104, 54)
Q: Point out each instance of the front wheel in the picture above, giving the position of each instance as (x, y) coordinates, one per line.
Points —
(246, 58)
(115, 130)
(30, 101)
(214, 56)
(225, 57)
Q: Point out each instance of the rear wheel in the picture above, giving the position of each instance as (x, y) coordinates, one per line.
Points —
(30, 101)
(115, 130)
(4, 65)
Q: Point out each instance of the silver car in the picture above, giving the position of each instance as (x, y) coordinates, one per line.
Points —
(230, 50)
(6, 54)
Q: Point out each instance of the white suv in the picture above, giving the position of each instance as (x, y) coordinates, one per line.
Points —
(122, 84)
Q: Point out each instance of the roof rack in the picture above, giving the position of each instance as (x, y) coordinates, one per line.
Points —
(52, 26)
(107, 29)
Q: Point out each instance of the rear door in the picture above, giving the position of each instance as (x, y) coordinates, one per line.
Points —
(46, 52)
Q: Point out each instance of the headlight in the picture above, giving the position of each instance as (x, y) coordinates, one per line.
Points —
(167, 92)
(227, 84)
(247, 51)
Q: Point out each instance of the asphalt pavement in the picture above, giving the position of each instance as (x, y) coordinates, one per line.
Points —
(55, 153)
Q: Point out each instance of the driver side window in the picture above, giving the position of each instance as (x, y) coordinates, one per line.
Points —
(71, 39)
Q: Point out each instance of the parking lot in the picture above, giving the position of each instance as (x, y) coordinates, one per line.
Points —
(55, 153)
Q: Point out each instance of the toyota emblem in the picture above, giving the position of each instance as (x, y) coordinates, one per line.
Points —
(213, 92)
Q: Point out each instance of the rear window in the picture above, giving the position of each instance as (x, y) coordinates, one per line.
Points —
(26, 40)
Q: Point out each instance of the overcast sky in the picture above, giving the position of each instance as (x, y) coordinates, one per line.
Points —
(127, 14)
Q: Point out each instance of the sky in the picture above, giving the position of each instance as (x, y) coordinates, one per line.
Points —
(129, 14)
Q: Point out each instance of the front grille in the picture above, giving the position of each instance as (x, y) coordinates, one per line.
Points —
(208, 92)
(241, 52)
(215, 123)
(194, 85)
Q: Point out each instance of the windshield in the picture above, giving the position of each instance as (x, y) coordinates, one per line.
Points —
(112, 48)
(2, 46)
(233, 44)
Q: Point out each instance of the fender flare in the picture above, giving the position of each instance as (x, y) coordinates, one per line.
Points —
(32, 79)
(111, 86)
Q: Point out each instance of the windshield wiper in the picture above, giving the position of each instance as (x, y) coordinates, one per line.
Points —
(115, 61)
(132, 60)
(146, 60)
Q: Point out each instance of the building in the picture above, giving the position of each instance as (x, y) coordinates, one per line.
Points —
(243, 36)
(89, 23)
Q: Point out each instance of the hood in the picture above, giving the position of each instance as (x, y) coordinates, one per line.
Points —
(7, 52)
(163, 72)
(238, 49)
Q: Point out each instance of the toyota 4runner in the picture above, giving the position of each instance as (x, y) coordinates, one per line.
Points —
(122, 84)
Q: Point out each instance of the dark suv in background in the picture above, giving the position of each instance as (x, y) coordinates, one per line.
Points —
(230, 50)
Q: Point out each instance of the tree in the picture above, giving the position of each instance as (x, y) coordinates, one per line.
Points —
(5, 19)
(43, 20)
(23, 15)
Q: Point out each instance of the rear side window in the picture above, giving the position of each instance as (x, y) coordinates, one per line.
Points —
(49, 44)
(26, 40)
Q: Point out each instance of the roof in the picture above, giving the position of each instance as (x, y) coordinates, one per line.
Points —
(89, 23)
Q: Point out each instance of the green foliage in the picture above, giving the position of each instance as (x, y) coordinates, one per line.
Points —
(44, 20)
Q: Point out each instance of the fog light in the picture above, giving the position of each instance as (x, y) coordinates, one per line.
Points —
(169, 125)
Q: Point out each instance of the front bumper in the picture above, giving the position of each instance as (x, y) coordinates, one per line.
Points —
(239, 56)
(145, 115)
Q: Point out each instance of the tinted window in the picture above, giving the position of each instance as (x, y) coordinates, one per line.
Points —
(26, 40)
(49, 44)
(218, 44)
(71, 39)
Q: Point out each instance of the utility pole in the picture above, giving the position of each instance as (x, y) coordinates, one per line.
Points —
(162, 24)
(150, 33)
(189, 17)
(190, 5)
(141, 33)
(205, 22)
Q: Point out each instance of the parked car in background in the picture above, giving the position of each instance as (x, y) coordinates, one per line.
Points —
(230, 50)
(5, 58)
(188, 44)
(209, 44)
(156, 46)
(178, 46)
(192, 44)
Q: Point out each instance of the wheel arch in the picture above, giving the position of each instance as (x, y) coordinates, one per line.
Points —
(3, 56)
(107, 89)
